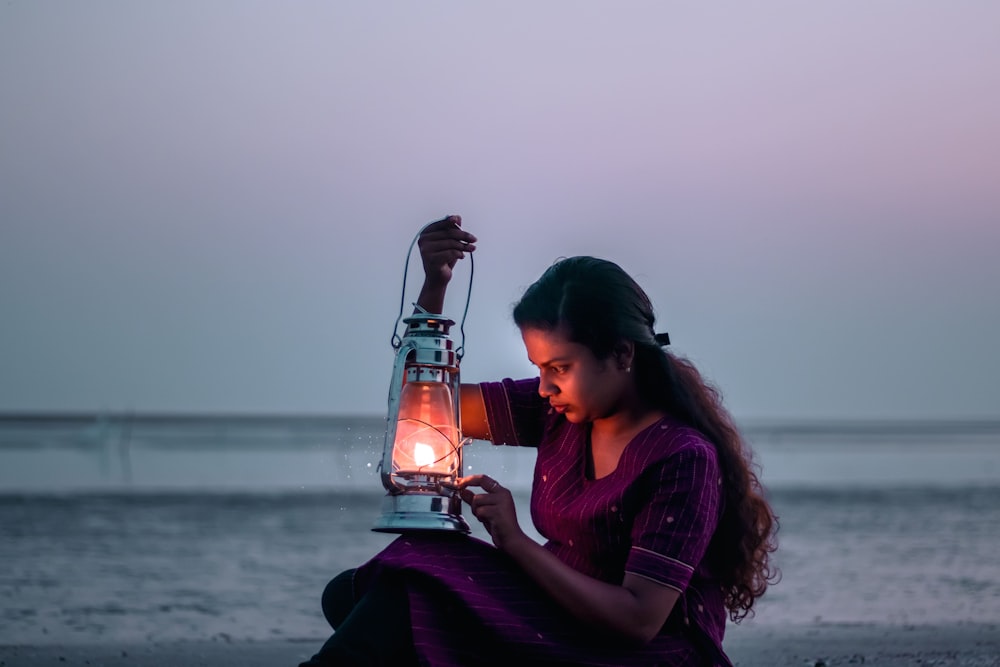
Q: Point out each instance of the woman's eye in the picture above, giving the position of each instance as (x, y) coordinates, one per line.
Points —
(559, 370)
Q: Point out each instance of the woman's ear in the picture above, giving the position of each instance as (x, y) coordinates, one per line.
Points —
(624, 352)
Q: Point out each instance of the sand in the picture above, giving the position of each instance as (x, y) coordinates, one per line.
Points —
(796, 646)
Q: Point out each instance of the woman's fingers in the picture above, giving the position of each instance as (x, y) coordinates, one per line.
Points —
(447, 249)
(449, 226)
(442, 244)
(494, 507)
(444, 223)
(486, 509)
(485, 482)
(492, 488)
(446, 233)
(485, 506)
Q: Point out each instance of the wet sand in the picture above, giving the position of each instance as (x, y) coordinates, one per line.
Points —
(794, 646)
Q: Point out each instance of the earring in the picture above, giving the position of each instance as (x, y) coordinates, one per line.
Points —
(628, 369)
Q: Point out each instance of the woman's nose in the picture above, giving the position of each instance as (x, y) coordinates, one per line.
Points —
(546, 388)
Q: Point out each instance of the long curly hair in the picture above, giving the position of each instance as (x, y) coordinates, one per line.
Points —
(597, 304)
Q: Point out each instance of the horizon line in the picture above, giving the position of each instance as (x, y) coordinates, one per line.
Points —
(770, 425)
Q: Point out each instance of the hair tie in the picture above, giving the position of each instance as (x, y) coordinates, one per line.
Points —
(663, 339)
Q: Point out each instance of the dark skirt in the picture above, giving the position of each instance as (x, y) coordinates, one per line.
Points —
(470, 604)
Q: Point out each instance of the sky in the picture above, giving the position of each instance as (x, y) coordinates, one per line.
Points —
(206, 207)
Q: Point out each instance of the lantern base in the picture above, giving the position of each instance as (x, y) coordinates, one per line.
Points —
(402, 513)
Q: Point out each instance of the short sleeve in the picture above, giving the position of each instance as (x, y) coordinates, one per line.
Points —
(515, 412)
(672, 531)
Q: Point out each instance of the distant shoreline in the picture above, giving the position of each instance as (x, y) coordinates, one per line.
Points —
(28, 418)
(268, 451)
(862, 427)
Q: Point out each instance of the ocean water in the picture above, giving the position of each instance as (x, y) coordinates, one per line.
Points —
(229, 528)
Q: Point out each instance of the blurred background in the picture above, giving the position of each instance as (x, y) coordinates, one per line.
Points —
(207, 208)
(204, 217)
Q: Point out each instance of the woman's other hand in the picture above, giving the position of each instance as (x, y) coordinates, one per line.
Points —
(441, 245)
(494, 508)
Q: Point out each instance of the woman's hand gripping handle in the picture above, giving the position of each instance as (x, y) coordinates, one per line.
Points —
(441, 244)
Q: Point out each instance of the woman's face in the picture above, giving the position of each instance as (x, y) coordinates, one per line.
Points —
(576, 383)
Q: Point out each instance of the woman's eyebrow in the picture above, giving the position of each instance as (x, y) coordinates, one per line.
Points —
(550, 362)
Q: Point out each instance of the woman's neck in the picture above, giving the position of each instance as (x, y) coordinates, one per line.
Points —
(625, 422)
(610, 436)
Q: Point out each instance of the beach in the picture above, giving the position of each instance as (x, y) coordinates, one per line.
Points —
(791, 646)
(194, 579)
(219, 559)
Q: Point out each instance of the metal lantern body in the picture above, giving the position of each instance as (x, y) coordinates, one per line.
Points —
(422, 456)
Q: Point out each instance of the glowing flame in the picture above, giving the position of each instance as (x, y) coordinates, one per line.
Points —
(423, 455)
(426, 440)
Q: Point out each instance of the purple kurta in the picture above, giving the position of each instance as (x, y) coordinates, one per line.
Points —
(653, 516)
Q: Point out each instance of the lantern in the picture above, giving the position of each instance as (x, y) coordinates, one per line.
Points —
(422, 455)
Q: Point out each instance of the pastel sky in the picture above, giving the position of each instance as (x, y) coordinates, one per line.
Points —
(207, 206)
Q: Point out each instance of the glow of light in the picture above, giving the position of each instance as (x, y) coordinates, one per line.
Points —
(423, 455)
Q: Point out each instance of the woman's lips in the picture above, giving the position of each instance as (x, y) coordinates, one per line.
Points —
(558, 408)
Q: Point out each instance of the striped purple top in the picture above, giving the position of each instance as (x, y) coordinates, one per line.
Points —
(653, 516)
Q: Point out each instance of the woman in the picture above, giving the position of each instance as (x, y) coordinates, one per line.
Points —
(656, 525)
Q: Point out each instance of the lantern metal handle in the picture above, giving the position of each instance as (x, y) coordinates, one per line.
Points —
(396, 340)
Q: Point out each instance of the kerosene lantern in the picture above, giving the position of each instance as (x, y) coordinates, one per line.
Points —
(422, 454)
